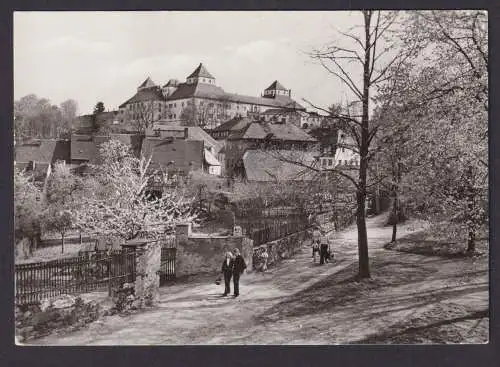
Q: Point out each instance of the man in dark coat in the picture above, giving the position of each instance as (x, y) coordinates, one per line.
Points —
(323, 251)
(227, 270)
(238, 269)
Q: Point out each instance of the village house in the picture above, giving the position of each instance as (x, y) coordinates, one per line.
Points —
(212, 155)
(343, 156)
(176, 157)
(85, 148)
(242, 133)
(201, 99)
(259, 165)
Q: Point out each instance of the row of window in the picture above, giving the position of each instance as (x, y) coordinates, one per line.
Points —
(329, 162)
(204, 80)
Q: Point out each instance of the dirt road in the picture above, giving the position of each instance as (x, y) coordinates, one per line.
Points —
(301, 303)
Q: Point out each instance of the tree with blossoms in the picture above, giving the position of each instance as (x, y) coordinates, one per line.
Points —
(118, 203)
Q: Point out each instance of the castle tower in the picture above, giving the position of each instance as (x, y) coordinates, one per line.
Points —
(148, 83)
(170, 87)
(276, 90)
(200, 75)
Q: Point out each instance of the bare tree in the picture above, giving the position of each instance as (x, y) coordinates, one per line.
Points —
(364, 66)
(144, 114)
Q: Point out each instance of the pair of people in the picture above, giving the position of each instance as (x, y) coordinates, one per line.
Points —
(321, 246)
(233, 266)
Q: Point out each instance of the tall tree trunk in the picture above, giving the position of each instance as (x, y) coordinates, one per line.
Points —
(395, 214)
(62, 243)
(394, 194)
(364, 267)
(471, 208)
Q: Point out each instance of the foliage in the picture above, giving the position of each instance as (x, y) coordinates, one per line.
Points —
(121, 205)
(37, 118)
(205, 114)
(99, 108)
(438, 123)
(28, 207)
(144, 114)
(63, 195)
(205, 188)
(363, 66)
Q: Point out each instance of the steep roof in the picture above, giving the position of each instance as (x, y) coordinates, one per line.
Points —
(148, 94)
(185, 155)
(266, 166)
(201, 71)
(42, 151)
(148, 83)
(236, 123)
(86, 147)
(264, 130)
(194, 133)
(276, 85)
(201, 90)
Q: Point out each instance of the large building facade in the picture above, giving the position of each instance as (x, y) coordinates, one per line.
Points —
(200, 101)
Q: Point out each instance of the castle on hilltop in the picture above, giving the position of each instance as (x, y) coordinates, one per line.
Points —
(201, 102)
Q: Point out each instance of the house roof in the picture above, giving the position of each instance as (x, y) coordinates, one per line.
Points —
(147, 94)
(42, 151)
(148, 83)
(236, 123)
(185, 155)
(200, 90)
(264, 130)
(194, 133)
(201, 71)
(86, 147)
(265, 166)
(275, 111)
(276, 85)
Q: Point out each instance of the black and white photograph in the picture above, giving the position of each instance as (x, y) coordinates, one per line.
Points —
(251, 177)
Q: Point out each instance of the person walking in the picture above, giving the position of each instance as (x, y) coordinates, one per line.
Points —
(238, 269)
(227, 270)
(323, 251)
(316, 239)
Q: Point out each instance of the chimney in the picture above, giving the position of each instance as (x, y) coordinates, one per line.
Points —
(186, 133)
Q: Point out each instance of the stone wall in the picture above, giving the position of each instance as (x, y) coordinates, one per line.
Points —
(278, 250)
(63, 313)
(204, 254)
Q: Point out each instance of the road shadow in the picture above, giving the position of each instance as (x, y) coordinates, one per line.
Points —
(342, 292)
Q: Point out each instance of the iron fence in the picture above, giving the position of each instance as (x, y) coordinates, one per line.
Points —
(76, 275)
(276, 231)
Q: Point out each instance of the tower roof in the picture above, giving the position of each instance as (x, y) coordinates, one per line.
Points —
(148, 83)
(276, 85)
(201, 71)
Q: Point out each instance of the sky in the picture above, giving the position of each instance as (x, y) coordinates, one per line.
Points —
(104, 56)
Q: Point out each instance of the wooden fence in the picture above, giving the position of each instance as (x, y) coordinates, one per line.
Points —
(94, 271)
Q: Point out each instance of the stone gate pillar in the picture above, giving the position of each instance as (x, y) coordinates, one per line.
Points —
(147, 271)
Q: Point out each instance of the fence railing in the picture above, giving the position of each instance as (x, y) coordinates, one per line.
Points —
(94, 271)
(276, 231)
